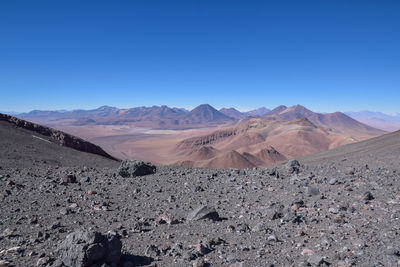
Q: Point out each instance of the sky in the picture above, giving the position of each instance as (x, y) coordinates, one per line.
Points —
(326, 55)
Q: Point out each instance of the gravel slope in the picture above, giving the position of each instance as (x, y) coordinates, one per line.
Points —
(333, 212)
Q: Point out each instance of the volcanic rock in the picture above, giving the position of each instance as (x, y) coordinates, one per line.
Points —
(203, 212)
(293, 166)
(84, 248)
(132, 168)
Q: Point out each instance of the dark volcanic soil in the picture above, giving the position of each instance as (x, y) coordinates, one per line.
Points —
(326, 213)
(22, 148)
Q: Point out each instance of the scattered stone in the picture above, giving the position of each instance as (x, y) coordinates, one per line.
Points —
(132, 168)
(237, 264)
(333, 210)
(200, 263)
(166, 218)
(203, 212)
(83, 248)
(10, 183)
(307, 251)
(349, 171)
(91, 192)
(261, 227)
(84, 180)
(312, 191)
(152, 251)
(242, 228)
(293, 166)
(14, 250)
(367, 196)
(69, 178)
(42, 262)
(332, 181)
(315, 260)
(200, 249)
(64, 211)
(391, 251)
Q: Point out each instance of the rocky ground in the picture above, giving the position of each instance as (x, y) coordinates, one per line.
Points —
(61, 207)
(334, 214)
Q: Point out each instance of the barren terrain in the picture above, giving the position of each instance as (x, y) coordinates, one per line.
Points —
(172, 136)
(337, 208)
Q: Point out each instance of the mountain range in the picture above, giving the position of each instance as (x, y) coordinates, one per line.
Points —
(155, 117)
(206, 137)
(164, 117)
(378, 119)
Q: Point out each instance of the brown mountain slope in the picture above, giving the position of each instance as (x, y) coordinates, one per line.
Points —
(265, 142)
(202, 153)
(338, 121)
(231, 159)
(270, 155)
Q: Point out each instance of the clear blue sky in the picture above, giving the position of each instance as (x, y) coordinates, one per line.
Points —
(326, 55)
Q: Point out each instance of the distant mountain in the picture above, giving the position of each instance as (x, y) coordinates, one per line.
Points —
(337, 120)
(181, 110)
(377, 119)
(164, 117)
(233, 113)
(103, 111)
(204, 114)
(157, 117)
(277, 110)
(374, 115)
(257, 112)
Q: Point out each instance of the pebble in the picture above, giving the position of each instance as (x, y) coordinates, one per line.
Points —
(315, 260)
(307, 251)
(333, 210)
(91, 192)
(332, 181)
(367, 196)
(312, 191)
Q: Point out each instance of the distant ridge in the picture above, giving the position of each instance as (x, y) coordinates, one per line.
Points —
(337, 120)
(59, 137)
(156, 117)
(232, 112)
(378, 120)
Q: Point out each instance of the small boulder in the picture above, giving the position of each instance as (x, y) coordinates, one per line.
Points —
(203, 212)
(132, 168)
(367, 196)
(83, 248)
(68, 179)
(293, 166)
